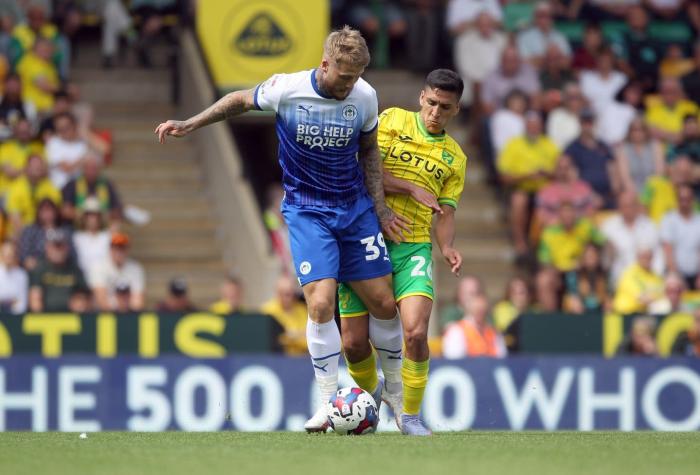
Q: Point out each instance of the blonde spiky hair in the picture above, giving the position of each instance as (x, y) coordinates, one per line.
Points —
(346, 45)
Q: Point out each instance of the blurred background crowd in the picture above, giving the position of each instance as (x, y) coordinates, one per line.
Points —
(584, 113)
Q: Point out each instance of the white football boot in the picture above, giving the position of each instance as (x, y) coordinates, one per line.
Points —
(395, 402)
(319, 421)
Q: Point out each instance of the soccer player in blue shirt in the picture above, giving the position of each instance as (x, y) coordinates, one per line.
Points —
(326, 122)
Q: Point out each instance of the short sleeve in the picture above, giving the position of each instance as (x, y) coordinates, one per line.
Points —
(268, 94)
(80, 282)
(597, 236)
(35, 277)
(452, 189)
(386, 131)
(137, 279)
(544, 251)
(97, 276)
(371, 110)
(14, 200)
(524, 43)
(666, 231)
(506, 159)
(563, 44)
(114, 199)
(68, 192)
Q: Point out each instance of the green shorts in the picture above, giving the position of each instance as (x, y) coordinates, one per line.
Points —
(412, 275)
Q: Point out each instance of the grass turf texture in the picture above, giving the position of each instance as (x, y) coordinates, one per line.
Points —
(175, 453)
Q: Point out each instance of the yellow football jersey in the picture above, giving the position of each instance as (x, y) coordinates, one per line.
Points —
(434, 162)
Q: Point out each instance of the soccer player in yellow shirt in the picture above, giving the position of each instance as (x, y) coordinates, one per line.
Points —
(424, 170)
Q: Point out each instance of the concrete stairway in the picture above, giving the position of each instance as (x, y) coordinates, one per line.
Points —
(165, 179)
(482, 238)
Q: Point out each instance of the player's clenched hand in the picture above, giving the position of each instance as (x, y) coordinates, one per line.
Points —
(453, 259)
(176, 128)
(426, 198)
(394, 225)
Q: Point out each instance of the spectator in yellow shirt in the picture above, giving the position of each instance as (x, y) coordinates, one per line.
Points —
(526, 164)
(517, 300)
(639, 286)
(665, 117)
(659, 194)
(25, 34)
(289, 312)
(231, 300)
(562, 244)
(27, 191)
(39, 76)
(15, 152)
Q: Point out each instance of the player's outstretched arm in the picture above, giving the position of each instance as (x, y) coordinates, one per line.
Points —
(232, 104)
(445, 237)
(393, 225)
(395, 185)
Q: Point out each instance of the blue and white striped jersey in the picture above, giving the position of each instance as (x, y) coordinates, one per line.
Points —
(318, 137)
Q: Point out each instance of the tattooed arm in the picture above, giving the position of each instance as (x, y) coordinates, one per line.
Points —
(392, 224)
(232, 104)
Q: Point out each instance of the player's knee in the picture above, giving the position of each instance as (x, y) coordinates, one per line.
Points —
(321, 308)
(355, 348)
(416, 337)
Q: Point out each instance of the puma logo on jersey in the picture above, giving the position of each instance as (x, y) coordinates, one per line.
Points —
(306, 109)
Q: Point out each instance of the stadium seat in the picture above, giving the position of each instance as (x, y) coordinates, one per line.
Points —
(517, 15)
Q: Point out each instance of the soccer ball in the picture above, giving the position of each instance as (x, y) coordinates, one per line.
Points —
(352, 411)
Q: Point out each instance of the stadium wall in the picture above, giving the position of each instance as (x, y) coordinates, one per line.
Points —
(267, 393)
(241, 230)
(206, 335)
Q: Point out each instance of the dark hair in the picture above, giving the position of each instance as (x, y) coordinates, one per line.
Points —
(517, 93)
(62, 94)
(607, 51)
(619, 97)
(446, 80)
(689, 117)
(66, 115)
(82, 291)
(50, 203)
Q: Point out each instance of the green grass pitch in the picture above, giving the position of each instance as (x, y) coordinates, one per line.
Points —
(522, 453)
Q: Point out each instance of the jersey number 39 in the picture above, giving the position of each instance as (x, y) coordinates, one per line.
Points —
(373, 252)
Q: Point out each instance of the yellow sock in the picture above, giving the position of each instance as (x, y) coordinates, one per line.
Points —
(365, 373)
(415, 378)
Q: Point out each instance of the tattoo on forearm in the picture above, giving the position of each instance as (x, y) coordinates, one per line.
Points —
(228, 106)
(374, 177)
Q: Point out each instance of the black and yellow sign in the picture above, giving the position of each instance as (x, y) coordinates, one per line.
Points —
(148, 335)
(593, 333)
(247, 41)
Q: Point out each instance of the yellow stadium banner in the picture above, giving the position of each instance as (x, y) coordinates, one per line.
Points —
(247, 41)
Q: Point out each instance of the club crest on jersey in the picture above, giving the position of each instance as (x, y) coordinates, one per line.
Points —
(349, 112)
(305, 267)
(447, 158)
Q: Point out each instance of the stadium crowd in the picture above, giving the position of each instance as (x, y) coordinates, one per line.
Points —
(587, 119)
(585, 113)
